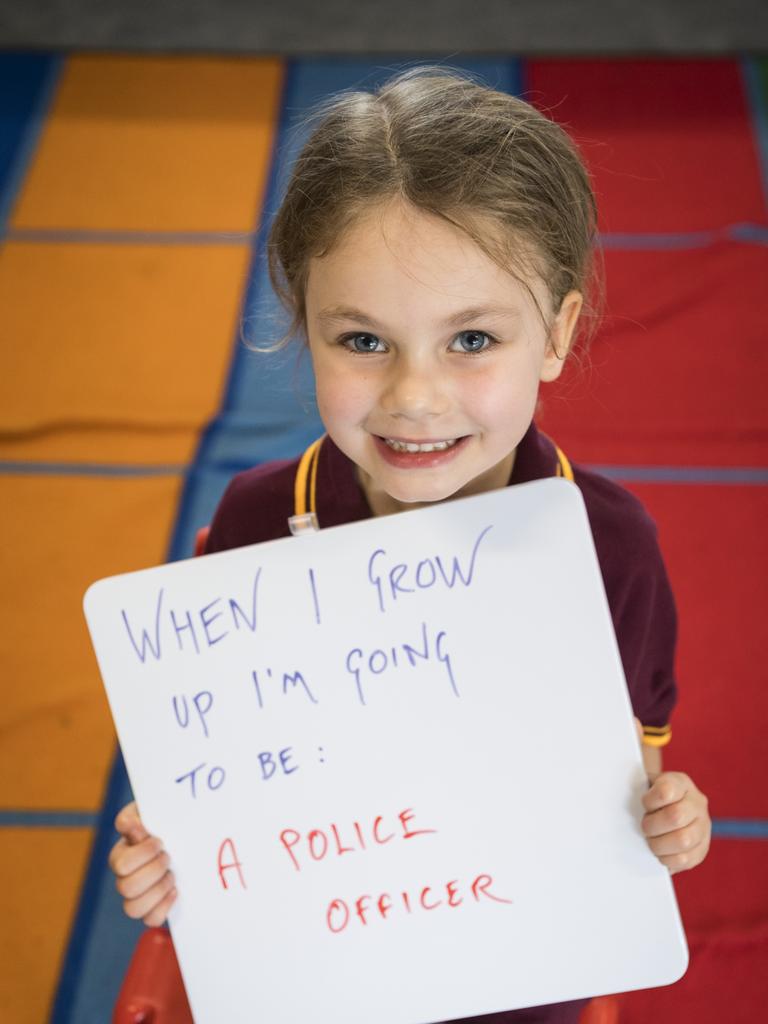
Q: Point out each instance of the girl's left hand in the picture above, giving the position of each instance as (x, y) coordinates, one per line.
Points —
(677, 823)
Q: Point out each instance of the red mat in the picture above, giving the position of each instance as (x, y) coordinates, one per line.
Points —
(728, 892)
(727, 981)
(669, 142)
(677, 374)
(676, 378)
(724, 905)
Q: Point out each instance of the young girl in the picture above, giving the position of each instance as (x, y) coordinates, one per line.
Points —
(435, 249)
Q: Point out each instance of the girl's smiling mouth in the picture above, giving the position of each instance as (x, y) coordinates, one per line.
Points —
(411, 454)
(418, 446)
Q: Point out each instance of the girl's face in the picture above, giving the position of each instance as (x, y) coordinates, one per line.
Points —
(427, 357)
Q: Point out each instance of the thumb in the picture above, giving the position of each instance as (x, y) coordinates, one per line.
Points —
(129, 824)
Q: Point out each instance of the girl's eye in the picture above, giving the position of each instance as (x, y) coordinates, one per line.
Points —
(363, 343)
(471, 341)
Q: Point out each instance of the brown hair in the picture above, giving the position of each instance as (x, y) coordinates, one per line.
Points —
(451, 147)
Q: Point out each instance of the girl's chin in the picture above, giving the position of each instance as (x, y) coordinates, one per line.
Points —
(412, 494)
(412, 489)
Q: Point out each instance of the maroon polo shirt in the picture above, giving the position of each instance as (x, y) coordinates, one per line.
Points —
(258, 502)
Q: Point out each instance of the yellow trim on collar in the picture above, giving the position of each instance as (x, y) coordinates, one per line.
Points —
(307, 471)
(563, 465)
(313, 479)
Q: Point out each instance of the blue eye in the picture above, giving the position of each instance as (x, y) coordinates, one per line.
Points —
(363, 343)
(471, 341)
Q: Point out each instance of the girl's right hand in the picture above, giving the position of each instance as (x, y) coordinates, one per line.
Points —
(141, 867)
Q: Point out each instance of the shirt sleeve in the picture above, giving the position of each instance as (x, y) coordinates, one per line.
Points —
(254, 507)
(221, 533)
(640, 599)
(645, 620)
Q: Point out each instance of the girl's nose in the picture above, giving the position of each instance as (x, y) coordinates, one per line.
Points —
(415, 391)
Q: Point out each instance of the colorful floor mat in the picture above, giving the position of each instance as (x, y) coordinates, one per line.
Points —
(135, 195)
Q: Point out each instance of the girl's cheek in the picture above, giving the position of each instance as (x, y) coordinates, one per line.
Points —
(338, 398)
(498, 395)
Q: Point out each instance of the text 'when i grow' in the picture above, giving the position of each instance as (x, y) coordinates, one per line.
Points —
(163, 631)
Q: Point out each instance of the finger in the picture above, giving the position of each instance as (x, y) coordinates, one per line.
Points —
(639, 727)
(129, 824)
(683, 840)
(668, 788)
(138, 882)
(125, 858)
(143, 905)
(671, 818)
(683, 861)
(156, 917)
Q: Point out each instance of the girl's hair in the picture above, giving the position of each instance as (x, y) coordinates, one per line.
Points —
(451, 147)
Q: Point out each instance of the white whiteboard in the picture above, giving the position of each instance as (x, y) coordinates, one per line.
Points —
(450, 672)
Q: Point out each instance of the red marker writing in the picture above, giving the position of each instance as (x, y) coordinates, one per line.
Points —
(227, 848)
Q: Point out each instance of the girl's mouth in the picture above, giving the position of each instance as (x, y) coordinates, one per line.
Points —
(418, 454)
(419, 446)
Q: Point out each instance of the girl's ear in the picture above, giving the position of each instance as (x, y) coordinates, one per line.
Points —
(561, 336)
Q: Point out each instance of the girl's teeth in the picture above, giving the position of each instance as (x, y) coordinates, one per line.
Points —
(408, 446)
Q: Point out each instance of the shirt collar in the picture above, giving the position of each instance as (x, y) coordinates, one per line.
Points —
(535, 458)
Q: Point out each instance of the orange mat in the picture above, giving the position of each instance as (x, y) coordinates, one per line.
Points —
(115, 353)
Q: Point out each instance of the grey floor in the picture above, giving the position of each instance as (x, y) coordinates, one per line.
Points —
(696, 27)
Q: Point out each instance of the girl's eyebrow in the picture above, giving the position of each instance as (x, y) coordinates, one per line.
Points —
(338, 314)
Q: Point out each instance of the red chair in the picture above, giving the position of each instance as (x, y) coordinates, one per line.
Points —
(153, 991)
(604, 1010)
(200, 538)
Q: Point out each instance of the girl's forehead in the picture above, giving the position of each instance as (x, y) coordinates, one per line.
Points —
(400, 246)
(403, 228)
